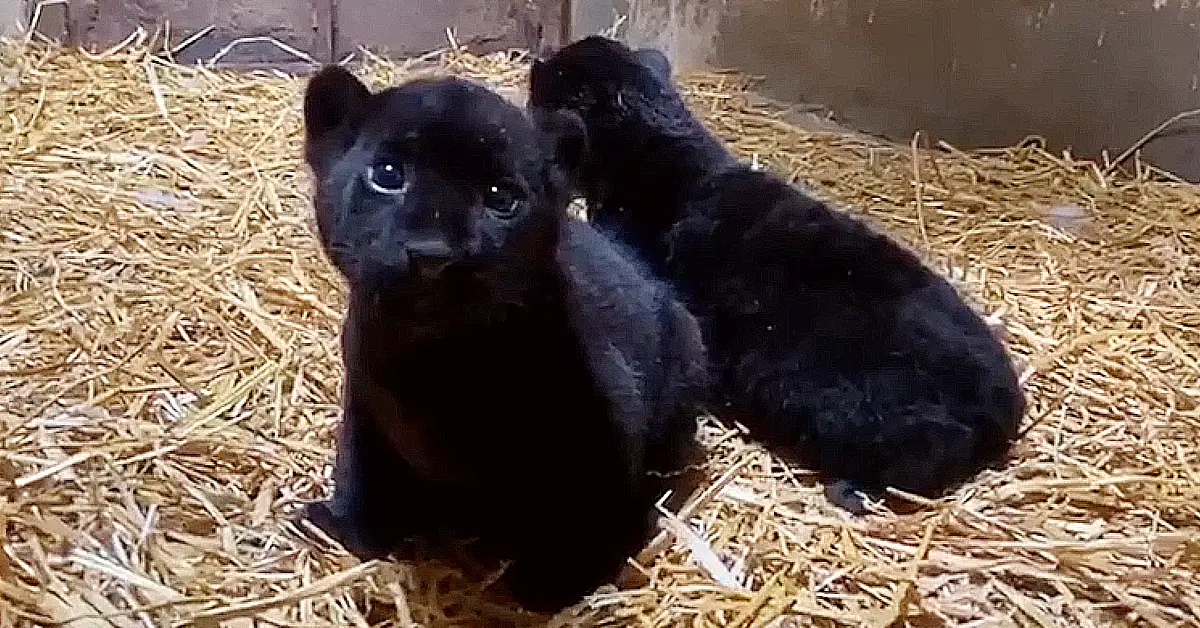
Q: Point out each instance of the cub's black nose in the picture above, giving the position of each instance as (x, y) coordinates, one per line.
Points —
(429, 258)
(431, 249)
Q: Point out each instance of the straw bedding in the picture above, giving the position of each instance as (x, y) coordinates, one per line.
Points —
(169, 378)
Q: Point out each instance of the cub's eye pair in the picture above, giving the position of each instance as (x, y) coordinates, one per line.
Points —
(387, 177)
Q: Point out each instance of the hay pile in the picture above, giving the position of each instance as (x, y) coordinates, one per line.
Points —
(169, 375)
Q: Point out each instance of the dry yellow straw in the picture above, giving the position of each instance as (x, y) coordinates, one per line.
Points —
(169, 378)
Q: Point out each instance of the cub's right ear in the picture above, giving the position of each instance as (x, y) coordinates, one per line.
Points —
(656, 60)
(334, 97)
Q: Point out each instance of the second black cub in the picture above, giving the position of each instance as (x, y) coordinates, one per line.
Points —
(828, 337)
(509, 375)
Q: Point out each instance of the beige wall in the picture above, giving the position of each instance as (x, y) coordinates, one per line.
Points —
(10, 13)
(1090, 74)
(322, 29)
(415, 26)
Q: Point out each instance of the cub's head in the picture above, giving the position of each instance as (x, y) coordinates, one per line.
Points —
(606, 82)
(435, 181)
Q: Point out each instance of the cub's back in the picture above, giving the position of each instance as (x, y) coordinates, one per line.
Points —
(645, 347)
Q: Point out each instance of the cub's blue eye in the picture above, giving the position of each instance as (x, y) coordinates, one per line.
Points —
(501, 202)
(386, 177)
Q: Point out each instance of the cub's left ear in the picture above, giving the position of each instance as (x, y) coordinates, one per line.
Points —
(564, 136)
(334, 97)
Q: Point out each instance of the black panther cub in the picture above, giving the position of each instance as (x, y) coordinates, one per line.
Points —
(830, 339)
(509, 374)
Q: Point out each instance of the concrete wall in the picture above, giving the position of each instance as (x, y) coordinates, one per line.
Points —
(322, 29)
(687, 30)
(1088, 74)
(10, 16)
(416, 26)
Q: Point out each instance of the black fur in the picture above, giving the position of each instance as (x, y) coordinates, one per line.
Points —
(509, 374)
(829, 338)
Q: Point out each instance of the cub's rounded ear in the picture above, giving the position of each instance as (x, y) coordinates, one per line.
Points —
(654, 59)
(333, 97)
(564, 136)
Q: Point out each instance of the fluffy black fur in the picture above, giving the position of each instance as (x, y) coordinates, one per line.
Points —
(509, 374)
(830, 339)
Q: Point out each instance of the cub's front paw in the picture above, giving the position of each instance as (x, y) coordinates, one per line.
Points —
(848, 495)
(348, 531)
(542, 585)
